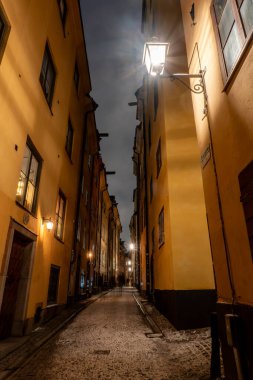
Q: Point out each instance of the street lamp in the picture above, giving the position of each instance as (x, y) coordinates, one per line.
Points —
(131, 246)
(154, 57)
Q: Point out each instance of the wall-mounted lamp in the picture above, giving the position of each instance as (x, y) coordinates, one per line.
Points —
(154, 57)
(90, 254)
(48, 222)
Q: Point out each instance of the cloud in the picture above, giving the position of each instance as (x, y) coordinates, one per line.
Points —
(114, 45)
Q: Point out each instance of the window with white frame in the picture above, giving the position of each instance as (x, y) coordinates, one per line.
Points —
(233, 21)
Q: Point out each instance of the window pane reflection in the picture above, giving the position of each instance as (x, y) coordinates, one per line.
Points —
(247, 15)
(232, 48)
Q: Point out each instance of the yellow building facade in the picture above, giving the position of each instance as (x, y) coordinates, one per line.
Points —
(221, 42)
(177, 254)
(44, 79)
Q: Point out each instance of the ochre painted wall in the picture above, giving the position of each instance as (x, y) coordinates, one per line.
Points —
(230, 120)
(24, 111)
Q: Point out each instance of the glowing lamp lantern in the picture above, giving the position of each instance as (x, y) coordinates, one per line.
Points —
(154, 57)
(49, 223)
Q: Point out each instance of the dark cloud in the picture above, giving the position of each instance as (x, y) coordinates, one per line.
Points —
(115, 45)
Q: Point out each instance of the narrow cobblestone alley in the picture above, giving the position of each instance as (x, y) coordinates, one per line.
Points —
(110, 340)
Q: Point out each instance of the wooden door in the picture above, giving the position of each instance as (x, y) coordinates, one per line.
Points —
(12, 284)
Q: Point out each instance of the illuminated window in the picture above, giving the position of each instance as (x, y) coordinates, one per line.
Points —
(47, 75)
(63, 10)
(161, 227)
(60, 215)
(69, 139)
(233, 24)
(4, 31)
(28, 183)
(158, 158)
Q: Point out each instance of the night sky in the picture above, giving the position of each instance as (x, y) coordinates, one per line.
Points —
(115, 46)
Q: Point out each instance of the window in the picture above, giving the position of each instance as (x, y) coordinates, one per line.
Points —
(53, 285)
(246, 187)
(149, 134)
(69, 139)
(63, 10)
(233, 24)
(153, 241)
(76, 76)
(4, 31)
(28, 183)
(161, 227)
(151, 188)
(2, 26)
(89, 161)
(60, 215)
(78, 234)
(158, 159)
(47, 75)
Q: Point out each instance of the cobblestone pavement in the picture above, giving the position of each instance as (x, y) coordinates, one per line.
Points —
(110, 340)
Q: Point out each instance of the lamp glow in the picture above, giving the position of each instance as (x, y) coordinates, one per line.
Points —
(49, 223)
(154, 56)
(131, 246)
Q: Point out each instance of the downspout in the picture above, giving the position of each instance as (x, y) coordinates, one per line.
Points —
(148, 289)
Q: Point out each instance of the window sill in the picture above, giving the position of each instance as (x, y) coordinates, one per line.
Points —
(25, 209)
(59, 239)
(69, 158)
(161, 244)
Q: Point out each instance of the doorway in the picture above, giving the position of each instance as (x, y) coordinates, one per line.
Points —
(20, 247)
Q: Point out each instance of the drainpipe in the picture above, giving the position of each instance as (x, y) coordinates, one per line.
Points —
(148, 288)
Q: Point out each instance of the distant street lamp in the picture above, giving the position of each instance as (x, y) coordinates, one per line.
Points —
(131, 246)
